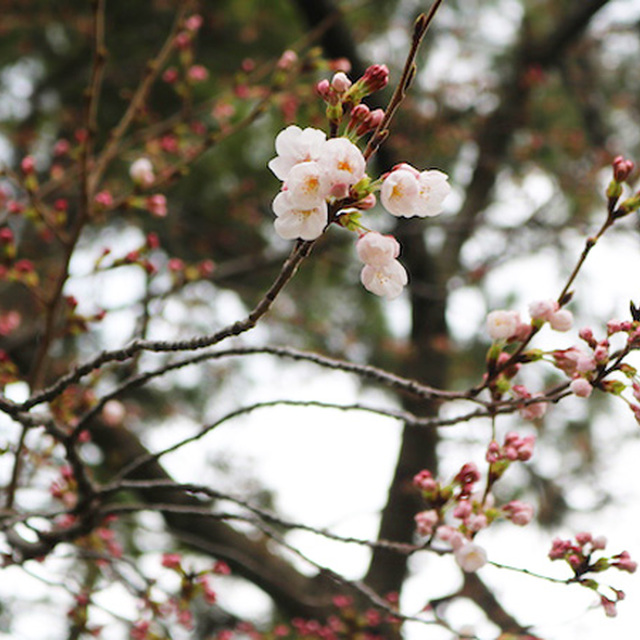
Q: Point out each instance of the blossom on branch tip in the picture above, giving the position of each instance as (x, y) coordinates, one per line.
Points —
(581, 387)
(623, 562)
(387, 280)
(502, 325)
(294, 221)
(141, 172)
(621, 168)
(406, 192)
(470, 557)
(340, 82)
(561, 320)
(157, 205)
(375, 77)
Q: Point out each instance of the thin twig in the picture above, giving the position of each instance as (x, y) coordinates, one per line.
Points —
(408, 73)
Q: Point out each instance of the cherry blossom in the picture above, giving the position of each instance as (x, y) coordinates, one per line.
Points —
(543, 309)
(295, 145)
(141, 172)
(307, 184)
(342, 161)
(386, 280)
(377, 250)
(502, 325)
(470, 557)
(293, 221)
(406, 192)
(561, 320)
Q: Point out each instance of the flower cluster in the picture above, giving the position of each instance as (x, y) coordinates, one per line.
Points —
(508, 325)
(324, 181)
(382, 274)
(457, 512)
(578, 555)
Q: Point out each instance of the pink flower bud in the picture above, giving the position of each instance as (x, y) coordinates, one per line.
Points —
(525, 448)
(197, 73)
(583, 538)
(157, 205)
(462, 510)
(171, 560)
(426, 521)
(104, 199)
(375, 77)
(621, 168)
(61, 148)
(493, 452)
(193, 23)
(368, 202)
(581, 387)
(586, 334)
(287, 59)
(451, 535)
(477, 522)
(323, 89)
(424, 481)
(559, 548)
(340, 82)
(599, 543)
(182, 40)
(518, 512)
(625, 563)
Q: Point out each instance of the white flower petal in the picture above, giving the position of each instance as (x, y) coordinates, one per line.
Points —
(376, 249)
(399, 192)
(386, 281)
(293, 222)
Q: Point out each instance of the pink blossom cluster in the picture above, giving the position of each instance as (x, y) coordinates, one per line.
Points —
(578, 555)
(506, 325)
(514, 448)
(472, 509)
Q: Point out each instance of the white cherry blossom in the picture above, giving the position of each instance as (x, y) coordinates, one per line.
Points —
(406, 192)
(307, 185)
(470, 557)
(294, 222)
(377, 250)
(342, 161)
(141, 172)
(386, 280)
(399, 191)
(295, 145)
(502, 324)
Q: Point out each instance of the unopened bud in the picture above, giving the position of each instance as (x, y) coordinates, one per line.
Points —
(376, 77)
(621, 168)
(340, 82)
